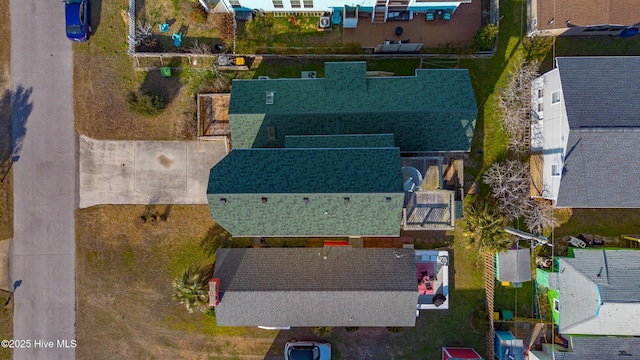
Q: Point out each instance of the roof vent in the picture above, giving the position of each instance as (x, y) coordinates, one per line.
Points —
(223, 200)
(264, 200)
(388, 199)
(270, 97)
(305, 200)
(346, 200)
(624, 353)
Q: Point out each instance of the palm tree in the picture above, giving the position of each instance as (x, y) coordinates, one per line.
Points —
(483, 226)
(191, 289)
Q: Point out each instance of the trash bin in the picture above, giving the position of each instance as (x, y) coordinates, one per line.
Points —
(507, 315)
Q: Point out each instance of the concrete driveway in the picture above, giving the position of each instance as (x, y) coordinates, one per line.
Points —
(144, 172)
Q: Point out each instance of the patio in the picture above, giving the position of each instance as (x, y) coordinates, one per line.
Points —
(464, 23)
(434, 265)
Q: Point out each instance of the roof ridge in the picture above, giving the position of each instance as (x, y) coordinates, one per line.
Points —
(615, 129)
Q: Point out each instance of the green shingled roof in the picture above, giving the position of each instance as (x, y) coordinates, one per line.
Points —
(339, 141)
(308, 192)
(435, 110)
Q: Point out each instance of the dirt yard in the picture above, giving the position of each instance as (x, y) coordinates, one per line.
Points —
(124, 272)
(104, 74)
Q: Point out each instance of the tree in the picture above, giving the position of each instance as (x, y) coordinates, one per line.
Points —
(510, 185)
(483, 225)
(191, 289)
(539, 216)
(514, 101)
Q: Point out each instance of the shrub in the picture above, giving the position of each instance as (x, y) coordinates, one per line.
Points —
(322, 331)
(285, 242)
(146, 103)
(352, 328)
(395, 329)
(198, 14)
(485, 38)
(480, 320)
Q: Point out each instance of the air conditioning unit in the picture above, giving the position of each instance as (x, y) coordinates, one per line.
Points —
(308, 75)
(324, 23)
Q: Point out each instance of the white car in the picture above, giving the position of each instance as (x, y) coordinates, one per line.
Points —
(307, 350)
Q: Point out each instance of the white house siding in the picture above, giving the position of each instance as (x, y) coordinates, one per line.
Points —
(555, 133)
(326, 5)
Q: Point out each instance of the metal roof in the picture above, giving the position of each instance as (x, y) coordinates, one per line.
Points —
(514, 265)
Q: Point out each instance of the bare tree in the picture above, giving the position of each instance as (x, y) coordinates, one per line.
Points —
(200, 48)
(539, 216)
(144, 35)
(510, 185)
(514, 101)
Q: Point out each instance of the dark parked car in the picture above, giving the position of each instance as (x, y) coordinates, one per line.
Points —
(76, 13)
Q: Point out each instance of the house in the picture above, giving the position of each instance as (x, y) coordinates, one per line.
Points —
(456, 353)
(342, 12)
(591, 348)
(433, 111)
(308, 192)
(507, 347)
(338, 156)
(579, 17)
(331, 286)
(595, 292)
(513, 267)
(586, 130)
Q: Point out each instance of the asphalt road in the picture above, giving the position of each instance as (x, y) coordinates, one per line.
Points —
(45, 178)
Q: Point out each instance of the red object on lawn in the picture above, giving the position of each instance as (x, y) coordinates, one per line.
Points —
(459, 353)
(214, 292)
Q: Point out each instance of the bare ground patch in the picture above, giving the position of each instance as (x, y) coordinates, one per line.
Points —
(124, 272)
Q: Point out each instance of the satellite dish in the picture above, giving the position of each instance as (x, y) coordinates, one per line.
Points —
(412, 178)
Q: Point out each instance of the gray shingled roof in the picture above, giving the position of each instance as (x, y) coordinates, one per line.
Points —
(335, 286)
(514, 265)
(601, 91)
(602, 348)
(601, 168)
(600, 292)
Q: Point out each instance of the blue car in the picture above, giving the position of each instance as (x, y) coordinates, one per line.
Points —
(76, 13)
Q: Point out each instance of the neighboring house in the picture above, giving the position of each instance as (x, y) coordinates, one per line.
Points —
(432, 111)
(580, 17)
(513, 267)
(591, 348)
(456, 353)
(330, 286)
(308, 192)
(587, 127)
(344, 12)
(340, 172)
(595, 292)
